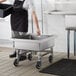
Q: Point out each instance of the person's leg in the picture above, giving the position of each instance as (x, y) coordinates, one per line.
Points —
(22, 54)
(15, 34)
(13, 55)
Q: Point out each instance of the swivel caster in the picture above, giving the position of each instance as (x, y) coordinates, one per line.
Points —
(38, 65)
(30, 57)
(16, 62)
(22, 58)
(50, 58)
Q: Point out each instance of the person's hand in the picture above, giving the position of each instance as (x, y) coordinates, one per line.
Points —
(2, 1)
(38, 32)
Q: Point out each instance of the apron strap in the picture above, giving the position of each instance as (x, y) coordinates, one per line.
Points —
(18, 0)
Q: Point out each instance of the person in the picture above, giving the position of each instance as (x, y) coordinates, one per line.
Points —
(19, 19)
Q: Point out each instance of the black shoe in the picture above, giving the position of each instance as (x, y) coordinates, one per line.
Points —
(12, 55)
(22, 58)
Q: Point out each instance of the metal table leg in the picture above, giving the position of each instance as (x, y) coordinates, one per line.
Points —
(74, 43)
(68, 43)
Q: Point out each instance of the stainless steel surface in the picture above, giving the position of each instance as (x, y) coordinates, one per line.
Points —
(59, 12)
(37, 43)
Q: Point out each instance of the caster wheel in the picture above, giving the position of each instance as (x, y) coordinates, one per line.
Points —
(50, 58)
(38, 65)
(15, 62)
(30, 57)
(22, 58)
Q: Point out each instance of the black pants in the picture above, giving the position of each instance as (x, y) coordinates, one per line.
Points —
(21, 35)
(16, 34)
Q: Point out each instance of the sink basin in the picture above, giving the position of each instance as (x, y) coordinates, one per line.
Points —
(36, 43)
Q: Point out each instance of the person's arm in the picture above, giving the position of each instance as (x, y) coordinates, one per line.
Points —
(28, 4)
(2, 1)
(34, 16)
(36, 22)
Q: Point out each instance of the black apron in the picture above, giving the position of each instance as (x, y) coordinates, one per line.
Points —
(19, 17)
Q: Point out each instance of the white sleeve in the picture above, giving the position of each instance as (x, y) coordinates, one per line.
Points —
(28, 4)
(31, 5)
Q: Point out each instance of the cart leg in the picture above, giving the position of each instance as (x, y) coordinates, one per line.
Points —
(38, 65)
(51, 56)
(18, 54)
(51, 51)
(16, 62)
(39, 56)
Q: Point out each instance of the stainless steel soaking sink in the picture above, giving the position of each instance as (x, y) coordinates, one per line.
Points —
(36, 43)
(33, 43)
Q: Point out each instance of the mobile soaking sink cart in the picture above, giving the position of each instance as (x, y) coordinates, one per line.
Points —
(34, 44)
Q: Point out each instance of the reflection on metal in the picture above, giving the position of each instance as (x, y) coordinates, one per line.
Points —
(32, 23)
(42, 15)
(2, 20)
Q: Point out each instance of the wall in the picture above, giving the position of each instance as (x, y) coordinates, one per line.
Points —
(5, 29)
(56, 25)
